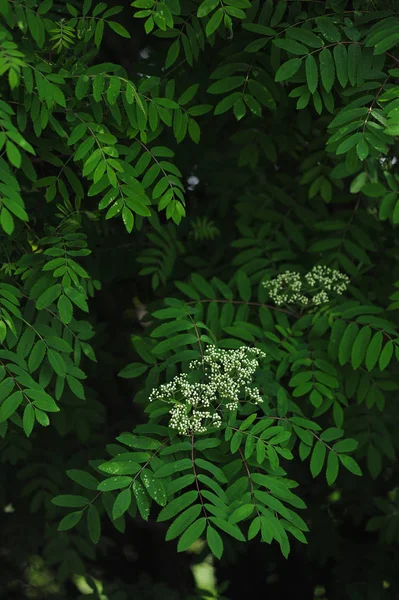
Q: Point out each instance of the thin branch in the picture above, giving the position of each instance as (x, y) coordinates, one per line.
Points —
(196, 479)
(219, 301)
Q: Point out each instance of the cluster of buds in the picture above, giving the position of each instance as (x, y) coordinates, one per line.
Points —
(314, 288)
(226, 382)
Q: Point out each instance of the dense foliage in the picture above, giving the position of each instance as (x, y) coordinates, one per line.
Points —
(198, 305)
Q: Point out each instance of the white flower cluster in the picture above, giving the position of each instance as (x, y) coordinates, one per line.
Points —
(329, 279)
(227, 375)
(290, 288)
(286, 288)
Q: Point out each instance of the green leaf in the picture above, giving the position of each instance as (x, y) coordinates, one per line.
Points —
(214, 541)
(288, 69)
(70, 520)
(347, 341)
(229, 528)
(327, 69)
(13, 154)
(65, 309)
(120, 467)
(386, 44)
(328, 29)
(261, 93)
(206, 7)
(173, 53)
(208, 466)
(70, 501)
(359, 347)
(241, 513)
(10, 405)
(114, 483)
(244, 285)
(133, 370)
(183, 521)
(175, 342)
(317, 458)
(57, 362)
(226, 85)
(350, 464)
(28, 419)
(138, 441)
(119, 29)
(82, 478)
(48, 297)
(341, 64)
(214, 22)
(347, 445)
(142, 500)
(154, 488)
(93, 524)
(385, 357)
(42, 400)
(311, 73)
(374, 350)
(7, 221)
(291, 46)
(76, 387)
(362, 149)
(305, 36)
(6, 387)
(191, 534)
(122, 503)
(332, 468)
(177, 505)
